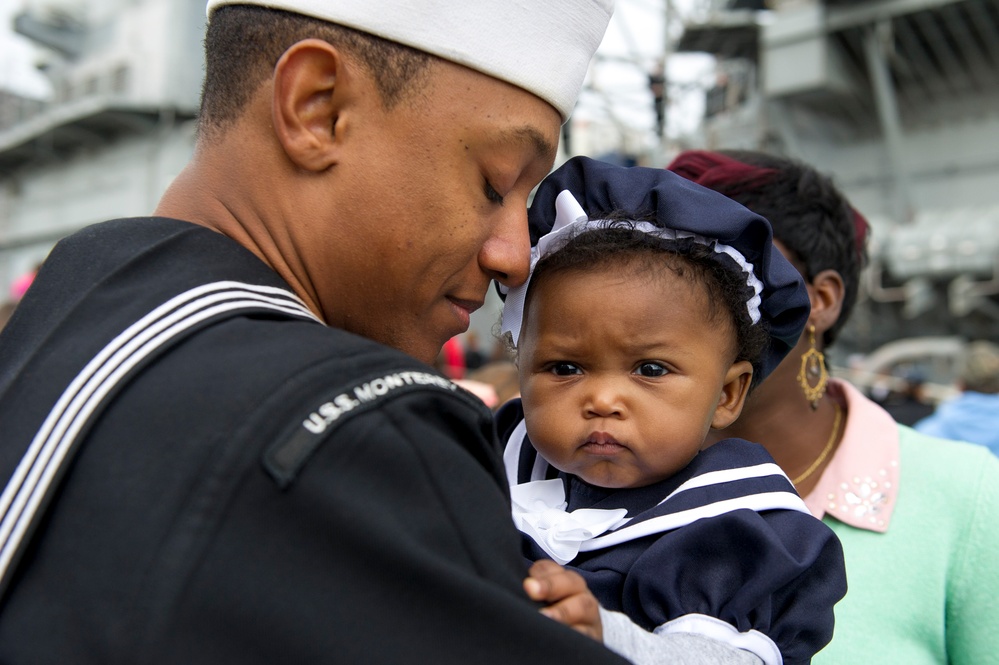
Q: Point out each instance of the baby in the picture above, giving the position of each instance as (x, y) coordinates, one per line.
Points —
(652, 308)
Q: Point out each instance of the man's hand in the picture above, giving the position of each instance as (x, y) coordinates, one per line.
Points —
(566, 596)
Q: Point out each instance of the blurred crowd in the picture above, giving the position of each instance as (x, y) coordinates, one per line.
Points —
(491, 376)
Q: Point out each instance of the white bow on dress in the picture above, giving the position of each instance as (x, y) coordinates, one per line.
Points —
(539, 510)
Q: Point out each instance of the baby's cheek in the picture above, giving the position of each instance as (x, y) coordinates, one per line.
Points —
(546, 433)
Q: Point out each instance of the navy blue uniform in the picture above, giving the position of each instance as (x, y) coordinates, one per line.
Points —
(201, 472)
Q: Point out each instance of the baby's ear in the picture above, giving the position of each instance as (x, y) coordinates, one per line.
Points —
(733, 394)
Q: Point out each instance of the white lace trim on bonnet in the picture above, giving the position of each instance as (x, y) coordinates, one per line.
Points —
(571, 220)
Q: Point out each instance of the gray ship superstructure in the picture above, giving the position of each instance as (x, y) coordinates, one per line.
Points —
(125, 78)
(899, 101)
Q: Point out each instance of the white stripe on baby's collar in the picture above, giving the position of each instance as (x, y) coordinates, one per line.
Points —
(511, 457)
(570, 218)
(511, 453)
(729, 475)
(755, 502)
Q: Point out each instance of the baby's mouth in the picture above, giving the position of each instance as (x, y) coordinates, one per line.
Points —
(602, 443)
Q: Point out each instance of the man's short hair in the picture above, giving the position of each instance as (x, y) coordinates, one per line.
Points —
(979, 370)
(243, 44)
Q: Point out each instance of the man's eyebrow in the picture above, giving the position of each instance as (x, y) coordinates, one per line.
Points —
(542, 146)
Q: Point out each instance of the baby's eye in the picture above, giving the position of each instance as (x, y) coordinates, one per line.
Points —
(564, 369)
(652, 369)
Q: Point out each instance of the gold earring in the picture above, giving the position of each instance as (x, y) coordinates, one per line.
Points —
(813, 367)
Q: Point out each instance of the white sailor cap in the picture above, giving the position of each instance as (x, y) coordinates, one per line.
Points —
(542, 46)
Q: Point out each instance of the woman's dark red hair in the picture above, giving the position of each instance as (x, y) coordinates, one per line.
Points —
(809, 215)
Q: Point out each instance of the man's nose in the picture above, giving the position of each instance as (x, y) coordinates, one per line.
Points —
(506, 254)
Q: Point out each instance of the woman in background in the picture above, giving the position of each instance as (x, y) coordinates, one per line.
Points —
(918, 517)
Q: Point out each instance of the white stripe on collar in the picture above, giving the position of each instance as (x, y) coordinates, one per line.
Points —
(511, 452)
(727, 476)
(38, 467)
(511, 456)
(663, 523)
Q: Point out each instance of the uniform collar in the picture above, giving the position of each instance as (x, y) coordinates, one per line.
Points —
(728, 476)
(860, 485)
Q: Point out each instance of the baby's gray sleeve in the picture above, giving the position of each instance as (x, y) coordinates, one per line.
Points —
(644, 648)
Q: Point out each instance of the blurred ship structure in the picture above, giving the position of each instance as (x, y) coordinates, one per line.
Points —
(125, 78)
(898, 100)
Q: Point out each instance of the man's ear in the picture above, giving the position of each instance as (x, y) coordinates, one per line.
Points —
(309, 87)
(826, 292)
(733, 394)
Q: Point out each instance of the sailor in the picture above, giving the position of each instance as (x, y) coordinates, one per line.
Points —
(221, 442)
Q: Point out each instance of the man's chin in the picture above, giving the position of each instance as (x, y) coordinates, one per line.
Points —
(424, 350)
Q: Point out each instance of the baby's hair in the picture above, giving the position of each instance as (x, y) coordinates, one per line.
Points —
(618, 242)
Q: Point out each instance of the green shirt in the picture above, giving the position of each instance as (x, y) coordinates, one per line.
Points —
(926, 591)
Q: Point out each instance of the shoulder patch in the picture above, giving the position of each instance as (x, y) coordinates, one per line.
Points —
(284, 459)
